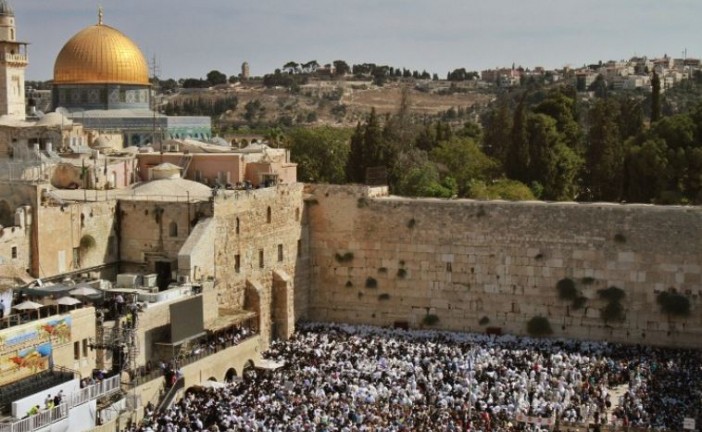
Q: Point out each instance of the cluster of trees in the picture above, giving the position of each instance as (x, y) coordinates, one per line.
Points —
(548, 145)
(201, 106)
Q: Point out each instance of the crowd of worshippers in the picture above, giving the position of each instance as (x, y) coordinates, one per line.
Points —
(346, 378)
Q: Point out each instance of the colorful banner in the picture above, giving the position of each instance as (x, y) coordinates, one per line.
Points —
(56, 330)
(24, 363)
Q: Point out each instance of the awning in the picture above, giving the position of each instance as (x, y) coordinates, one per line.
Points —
(228, 318)
(268, 364)
(47, 290)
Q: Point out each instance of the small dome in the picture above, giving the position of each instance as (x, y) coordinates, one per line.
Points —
(6, 9)
(54, 119)
(173, 187)
(101, 143)
(100, 54)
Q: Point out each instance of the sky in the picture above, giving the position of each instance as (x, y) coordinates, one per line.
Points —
(191, 38)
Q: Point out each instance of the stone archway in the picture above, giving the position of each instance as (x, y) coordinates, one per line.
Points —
(230, 375)
(249, 370)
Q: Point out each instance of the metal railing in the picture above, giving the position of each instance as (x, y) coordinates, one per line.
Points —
(45, 418)
(37, 421)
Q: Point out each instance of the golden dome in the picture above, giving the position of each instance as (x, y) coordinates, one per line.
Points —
(100, 54)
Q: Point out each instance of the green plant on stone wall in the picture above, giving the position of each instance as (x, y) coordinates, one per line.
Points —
(371, 282)
(430, 319)
(539, 326)
(87, 242)
(587, 280)
(620, 238)
(612, 294)
(566, 289)
(383, 270)
(674, 304)
(484, 321)
(349, 284)
(613, 312)
(384, 296)
(579, 302)
(411, 224)
(344, 258)
(401, 273)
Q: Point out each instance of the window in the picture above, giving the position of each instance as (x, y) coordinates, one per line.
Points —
(173, 229)
(269, 215)
(76, 350)
(237, 263)
(14, 252)
(238, 225)
(299, 247)
(261, 262)
(280, 252)
(85, 347)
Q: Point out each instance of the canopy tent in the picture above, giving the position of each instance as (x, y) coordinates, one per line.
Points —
(28, 305)
(84, 290)
(46, 290)
(68, 301)
(269, 364)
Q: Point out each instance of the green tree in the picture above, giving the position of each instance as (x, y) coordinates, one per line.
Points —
(355, 170)
(464, 161)
(321, 154)
(646, 168)
(504, 189)
(655, 97)
(498, 127)
(341, 68)
(216, 77)
(517, 157)
(606, 152)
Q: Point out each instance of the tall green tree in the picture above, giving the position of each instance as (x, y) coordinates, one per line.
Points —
(321, 154)
(497, 136)
(655, 97)
(606, 152)
(517, 158)
(355, 170)
(463, 160)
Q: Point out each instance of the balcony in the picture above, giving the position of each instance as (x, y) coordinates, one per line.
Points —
(105, 387)
(14, 58)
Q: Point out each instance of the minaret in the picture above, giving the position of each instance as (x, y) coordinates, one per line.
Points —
(13, 62)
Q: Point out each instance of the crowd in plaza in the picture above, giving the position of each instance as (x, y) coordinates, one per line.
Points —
(349, 378)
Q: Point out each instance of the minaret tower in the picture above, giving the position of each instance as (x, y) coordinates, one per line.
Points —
(13, 62)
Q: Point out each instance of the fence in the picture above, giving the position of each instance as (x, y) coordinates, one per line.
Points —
(45, 418)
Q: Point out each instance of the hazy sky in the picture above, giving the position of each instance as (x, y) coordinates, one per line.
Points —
(190, 38)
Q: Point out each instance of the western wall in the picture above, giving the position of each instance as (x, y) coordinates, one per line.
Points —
(475, 265)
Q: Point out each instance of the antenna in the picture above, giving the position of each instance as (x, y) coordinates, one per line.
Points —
(155, 70)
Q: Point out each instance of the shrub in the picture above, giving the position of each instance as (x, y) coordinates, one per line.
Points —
(484, 321)
(401, 273)
(384, 296)
(619, 238)
(411, 223)
(347, 257)
(613, 312)
(579, 302)
(349, 284)
(362, 202)
(587, 280)
(539, 256)
(612, 294)
(566, 289)
(430, 319)
(383, 270)
(87, 242)
(674, 304)
(371, 283)
(539, 326)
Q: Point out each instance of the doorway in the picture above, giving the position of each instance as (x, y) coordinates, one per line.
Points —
(163, 274)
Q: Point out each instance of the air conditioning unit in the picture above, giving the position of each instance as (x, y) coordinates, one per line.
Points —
(183, 279)
(127, 280)
(150, 280)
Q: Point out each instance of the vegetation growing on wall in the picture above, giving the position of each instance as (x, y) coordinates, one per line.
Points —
(384, 296)
(566, 289)
(674, 304)
(87, 242)
(484, 321)
(614, 310)
(430, 319)
(371, 282)
(344, 258)
(401, 273)
(539, 327)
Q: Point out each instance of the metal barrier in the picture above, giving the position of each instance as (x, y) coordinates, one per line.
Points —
(37, 421)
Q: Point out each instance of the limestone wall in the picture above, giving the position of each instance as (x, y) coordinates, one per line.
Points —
(260, 244)
(383, 260)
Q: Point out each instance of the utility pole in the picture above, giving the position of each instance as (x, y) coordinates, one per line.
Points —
(154, 104)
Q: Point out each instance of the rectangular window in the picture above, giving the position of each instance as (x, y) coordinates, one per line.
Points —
(14, 252)
(76, 350)
(261, 262)
(237, 263)
(299, 247)
(85, 347)
(280, 252)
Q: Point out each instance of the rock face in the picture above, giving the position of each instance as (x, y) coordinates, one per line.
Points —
(474, 265)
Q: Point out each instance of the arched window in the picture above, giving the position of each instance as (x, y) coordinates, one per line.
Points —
(12, 34)
(269, 215)
(173, 229)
